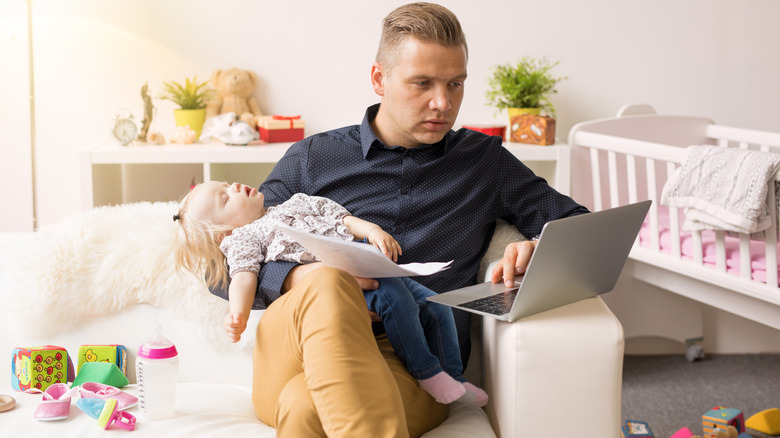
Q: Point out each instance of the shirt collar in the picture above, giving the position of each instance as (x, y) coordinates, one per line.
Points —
(368, 138)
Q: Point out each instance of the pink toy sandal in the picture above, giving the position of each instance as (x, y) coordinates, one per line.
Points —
(56, 403)
(101, 391)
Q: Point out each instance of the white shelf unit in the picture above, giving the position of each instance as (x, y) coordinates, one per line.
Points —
(109, 171)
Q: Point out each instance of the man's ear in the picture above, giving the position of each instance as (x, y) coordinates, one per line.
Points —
(378, 78)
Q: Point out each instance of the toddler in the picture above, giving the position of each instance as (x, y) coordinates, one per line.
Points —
(226, 225)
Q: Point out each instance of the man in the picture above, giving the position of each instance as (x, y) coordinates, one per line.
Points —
(317, 369)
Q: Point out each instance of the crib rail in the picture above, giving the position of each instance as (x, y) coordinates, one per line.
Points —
(636, 170)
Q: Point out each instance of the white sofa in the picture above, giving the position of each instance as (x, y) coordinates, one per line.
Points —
(550, 373)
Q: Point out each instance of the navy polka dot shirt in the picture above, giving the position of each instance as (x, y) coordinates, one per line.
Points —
(439, 201)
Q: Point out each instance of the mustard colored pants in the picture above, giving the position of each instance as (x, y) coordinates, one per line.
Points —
(319, 370)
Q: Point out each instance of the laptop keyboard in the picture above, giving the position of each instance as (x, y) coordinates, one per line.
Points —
(499, 304)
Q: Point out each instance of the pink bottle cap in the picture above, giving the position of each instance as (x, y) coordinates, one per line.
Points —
(157, 347)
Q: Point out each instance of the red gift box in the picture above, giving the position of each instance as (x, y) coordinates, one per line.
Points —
(498, 130)
(274, 129)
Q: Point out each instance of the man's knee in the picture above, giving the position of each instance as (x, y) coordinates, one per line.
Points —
(332, 285)
(296, 415)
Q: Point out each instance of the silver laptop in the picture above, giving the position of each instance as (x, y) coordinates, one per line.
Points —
(576, 258)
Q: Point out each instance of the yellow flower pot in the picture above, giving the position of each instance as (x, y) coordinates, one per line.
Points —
(192, 117)
(518, 111)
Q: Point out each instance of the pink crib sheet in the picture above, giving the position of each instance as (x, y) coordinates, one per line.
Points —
(757, 248)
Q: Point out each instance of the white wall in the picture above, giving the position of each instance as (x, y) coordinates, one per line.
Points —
(716, 58)
(16, 190)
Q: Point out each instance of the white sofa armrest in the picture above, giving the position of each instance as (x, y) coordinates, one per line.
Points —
(563, 366)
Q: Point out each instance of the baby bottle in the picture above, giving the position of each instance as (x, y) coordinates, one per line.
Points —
(155, 369)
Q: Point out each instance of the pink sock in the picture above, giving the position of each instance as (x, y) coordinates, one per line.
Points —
(443, 388)
(474, 396)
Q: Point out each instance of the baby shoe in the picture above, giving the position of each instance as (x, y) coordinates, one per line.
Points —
(56, 403)
(101, 391)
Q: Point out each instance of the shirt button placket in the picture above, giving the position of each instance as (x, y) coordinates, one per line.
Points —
(404, 190)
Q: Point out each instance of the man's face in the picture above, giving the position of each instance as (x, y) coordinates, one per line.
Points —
(421, 93)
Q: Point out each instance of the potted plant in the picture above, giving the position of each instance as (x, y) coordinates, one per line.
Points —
(523, 88)
(192, 98)
(528, 84)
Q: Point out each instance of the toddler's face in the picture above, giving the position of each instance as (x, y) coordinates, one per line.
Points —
(227, 204)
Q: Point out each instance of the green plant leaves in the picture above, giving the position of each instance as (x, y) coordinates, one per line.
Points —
(528, 84)
(191, 95)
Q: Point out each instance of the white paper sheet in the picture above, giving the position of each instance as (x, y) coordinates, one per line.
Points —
(359, 259)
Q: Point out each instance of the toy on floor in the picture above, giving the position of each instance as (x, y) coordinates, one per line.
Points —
(727, 432)
(636, 429)
(719, 418)
(684, 433)
(766, 421)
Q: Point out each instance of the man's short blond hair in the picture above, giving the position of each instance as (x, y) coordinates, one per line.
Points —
(423, 21)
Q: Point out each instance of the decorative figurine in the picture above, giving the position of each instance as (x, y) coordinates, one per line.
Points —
(148, 113)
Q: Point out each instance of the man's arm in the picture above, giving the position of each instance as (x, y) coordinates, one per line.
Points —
(528, 202)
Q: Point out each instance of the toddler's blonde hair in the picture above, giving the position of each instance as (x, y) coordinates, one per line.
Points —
(197, 246)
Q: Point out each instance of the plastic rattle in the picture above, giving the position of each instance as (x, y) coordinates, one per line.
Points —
(106, 413)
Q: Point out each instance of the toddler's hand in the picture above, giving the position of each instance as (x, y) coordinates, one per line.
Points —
(385, 242)
(235, 324)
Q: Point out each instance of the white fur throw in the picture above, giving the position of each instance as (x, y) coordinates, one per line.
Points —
(108, 258)
(101, 261)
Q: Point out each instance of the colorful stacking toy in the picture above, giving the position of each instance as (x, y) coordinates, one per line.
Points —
(720, 417)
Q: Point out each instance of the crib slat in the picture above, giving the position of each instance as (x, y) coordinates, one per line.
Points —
(633, 196)
(674, 220)
(652, 195)
(614, 200)
(720, 250)
(771, 237)
(595, 177)
(697, 249)
(744, 256)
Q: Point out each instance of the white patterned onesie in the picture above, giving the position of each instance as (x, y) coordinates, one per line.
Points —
(260, 242)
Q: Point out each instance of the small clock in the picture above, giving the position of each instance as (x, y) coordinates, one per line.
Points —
(124, 129)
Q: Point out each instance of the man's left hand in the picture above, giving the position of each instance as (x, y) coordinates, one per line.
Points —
(515, 260)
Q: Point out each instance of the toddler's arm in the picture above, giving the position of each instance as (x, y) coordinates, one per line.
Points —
(376, 236)
(241, 295)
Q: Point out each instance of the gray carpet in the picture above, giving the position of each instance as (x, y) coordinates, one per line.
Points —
(669, 393)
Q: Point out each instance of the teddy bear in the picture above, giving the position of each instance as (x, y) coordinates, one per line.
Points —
(233, 94)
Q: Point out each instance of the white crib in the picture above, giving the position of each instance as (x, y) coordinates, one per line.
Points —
(630, 157)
